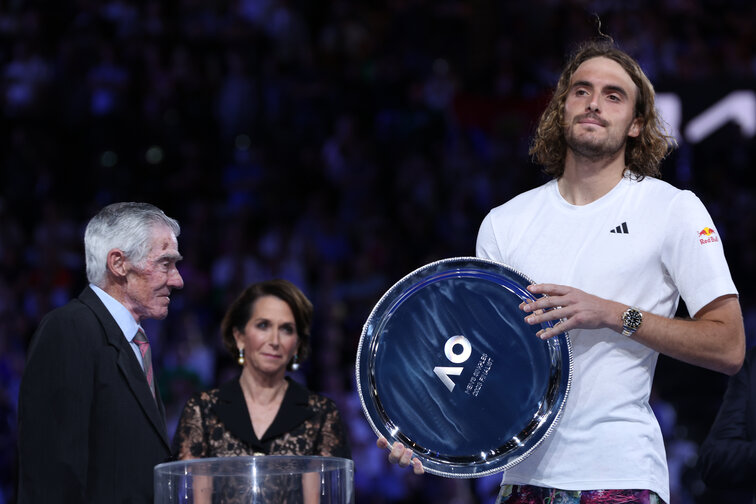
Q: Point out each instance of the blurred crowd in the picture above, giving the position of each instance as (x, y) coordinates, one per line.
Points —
(337, 143)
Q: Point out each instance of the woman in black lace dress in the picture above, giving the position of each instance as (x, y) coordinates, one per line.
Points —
(263, 412)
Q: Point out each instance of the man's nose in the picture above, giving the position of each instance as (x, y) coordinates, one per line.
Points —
(176, 281)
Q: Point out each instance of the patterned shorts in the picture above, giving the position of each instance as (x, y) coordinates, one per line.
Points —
(527, 494)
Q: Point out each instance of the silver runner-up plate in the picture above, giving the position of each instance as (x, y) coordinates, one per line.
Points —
(447, 365)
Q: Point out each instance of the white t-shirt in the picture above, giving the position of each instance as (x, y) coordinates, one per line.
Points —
(643, 244)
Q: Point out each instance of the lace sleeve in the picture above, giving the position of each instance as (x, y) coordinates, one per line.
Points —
(333, 441)
(189, 441)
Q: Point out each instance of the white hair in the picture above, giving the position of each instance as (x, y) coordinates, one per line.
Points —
(124, 226)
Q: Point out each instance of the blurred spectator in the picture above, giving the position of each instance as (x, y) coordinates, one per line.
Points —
(25, 77)
(728, 454)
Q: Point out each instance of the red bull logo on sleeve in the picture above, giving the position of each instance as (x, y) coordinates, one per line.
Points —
(707, 235)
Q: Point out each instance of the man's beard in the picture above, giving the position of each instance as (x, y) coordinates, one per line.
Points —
(594, 149)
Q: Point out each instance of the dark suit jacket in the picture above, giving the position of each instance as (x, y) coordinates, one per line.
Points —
(89, 428)
(727, 458)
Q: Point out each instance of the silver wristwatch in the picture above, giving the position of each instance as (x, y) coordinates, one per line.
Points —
(631, 321)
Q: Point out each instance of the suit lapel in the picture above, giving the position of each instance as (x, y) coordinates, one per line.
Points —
(129, 365)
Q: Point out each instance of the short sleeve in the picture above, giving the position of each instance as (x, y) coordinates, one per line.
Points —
(333, 438)
(189, 440)
(693, 253)
(486, 245)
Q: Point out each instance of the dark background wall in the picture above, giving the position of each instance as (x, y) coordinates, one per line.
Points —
(339, 144)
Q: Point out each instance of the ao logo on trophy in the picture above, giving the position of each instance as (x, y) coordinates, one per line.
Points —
(443, 372)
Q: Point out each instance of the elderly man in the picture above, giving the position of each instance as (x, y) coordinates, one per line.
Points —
(91, 422)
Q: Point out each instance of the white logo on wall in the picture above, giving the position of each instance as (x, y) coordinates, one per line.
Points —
(738, 107)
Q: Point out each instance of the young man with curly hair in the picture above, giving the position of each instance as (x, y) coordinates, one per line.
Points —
(613, 249)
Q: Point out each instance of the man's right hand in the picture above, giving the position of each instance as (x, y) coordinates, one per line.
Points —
(401, 455)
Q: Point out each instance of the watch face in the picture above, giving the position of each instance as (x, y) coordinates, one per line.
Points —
(447, 365)
(632, 318)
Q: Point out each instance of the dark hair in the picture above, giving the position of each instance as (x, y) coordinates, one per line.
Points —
(240, 311)
(643, 154)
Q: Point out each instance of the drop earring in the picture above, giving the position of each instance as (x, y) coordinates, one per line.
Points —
(240, 360)
(295, 363)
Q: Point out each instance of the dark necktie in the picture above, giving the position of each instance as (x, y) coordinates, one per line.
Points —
(144, 348)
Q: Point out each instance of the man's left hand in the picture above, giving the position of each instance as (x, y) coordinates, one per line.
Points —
(571, 308)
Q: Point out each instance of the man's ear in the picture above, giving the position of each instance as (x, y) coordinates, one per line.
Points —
(117, 263)
(635, 128)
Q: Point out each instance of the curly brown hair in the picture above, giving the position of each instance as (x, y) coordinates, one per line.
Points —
(643, 154)
(240, 311)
